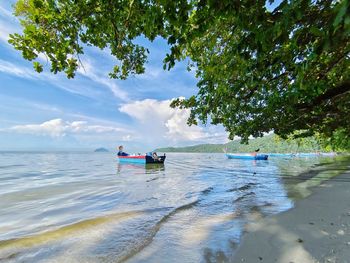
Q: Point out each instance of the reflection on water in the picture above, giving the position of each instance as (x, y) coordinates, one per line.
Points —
(86, 207)
(150, 168)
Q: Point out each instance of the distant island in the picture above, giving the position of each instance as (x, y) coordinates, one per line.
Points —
(268, 144)
(101, 150)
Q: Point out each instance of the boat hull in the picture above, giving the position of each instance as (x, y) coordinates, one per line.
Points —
(132, 159)
(247, 156)
(301, 154)
(281, 155)
(142, 159)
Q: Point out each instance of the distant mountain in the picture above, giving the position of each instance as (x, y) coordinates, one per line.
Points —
(101, 150)
(268, 144)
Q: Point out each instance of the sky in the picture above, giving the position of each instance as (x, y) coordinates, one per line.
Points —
(50, 112)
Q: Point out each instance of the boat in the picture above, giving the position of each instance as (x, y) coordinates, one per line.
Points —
(143, 159)
(317, 154)
(247, 156)
(282, 154)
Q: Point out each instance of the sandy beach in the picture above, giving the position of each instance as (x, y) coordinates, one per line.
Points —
(317, 229)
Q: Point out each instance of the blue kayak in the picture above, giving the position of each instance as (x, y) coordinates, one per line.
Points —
(302, 154)
(282, 155)
(246, 156)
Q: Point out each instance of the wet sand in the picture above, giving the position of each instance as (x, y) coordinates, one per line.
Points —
(317, 229)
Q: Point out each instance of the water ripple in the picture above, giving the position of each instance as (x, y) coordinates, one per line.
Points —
(87, 207)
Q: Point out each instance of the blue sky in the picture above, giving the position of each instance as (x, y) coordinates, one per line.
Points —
(47, 111)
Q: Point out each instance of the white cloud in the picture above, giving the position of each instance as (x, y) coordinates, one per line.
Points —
(178, 128)
(88, 70)
(60, 128)
(147, 109)
(159, 122)
(8, 24)
(127, 138)
(12, 69)
(4, 32)
(152, 72)
(5, 13)
(29, 73)
(58, 81)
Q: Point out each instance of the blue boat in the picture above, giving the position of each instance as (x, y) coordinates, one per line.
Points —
(282, 155)
(141, 159)
(317, 154)
(247, 156)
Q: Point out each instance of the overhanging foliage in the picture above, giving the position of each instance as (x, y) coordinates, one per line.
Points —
(258, 70)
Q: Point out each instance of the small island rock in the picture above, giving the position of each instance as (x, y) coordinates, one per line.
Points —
(101, 150)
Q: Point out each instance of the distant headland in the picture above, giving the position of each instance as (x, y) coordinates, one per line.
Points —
(101, 150)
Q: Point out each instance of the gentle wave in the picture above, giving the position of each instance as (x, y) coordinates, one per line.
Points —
(48, 236)
(13, 245)
(155, 230)
(11, 166)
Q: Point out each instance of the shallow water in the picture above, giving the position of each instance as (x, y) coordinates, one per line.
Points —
(85, 207)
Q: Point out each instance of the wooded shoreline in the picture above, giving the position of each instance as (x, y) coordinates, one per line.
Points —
(267, 144)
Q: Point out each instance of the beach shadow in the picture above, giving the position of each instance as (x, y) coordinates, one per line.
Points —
(315, 231)
(211, 256)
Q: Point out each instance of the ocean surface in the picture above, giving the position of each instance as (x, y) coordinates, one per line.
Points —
(86, 207)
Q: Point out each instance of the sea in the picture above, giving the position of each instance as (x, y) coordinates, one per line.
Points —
(88, 207)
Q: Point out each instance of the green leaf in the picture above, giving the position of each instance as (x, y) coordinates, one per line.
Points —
(38, 67)
(341, 13)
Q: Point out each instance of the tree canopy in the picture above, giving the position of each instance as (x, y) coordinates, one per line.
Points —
(258, 69)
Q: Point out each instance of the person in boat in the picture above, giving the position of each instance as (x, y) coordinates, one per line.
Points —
(155, 156)
(121, 152)
(255, 153)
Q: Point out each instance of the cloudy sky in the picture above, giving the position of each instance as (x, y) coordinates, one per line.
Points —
(47, 111)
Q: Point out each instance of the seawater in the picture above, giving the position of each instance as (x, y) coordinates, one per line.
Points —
(86, 207)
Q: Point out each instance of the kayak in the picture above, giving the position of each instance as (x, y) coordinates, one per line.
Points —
(282, 155)
(143, 159)
(301, 154)
(247, 156)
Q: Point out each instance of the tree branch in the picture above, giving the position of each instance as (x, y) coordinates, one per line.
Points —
(339, 90)
(255, 88)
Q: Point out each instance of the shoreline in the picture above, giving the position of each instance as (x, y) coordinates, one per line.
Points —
(317, 229)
